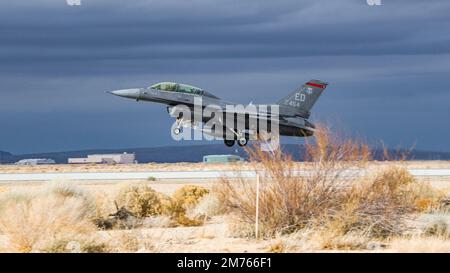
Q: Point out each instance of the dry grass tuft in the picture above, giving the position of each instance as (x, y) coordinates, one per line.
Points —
(348, 241)
(14, 197)
(37, 221)
(378, 206)
(434, 224)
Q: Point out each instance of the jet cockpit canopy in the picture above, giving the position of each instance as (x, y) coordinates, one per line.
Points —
(182, 88)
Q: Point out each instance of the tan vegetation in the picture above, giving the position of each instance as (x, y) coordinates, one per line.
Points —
(325, 209)
(420, 244)
(40, 221)
(344, 211)
(327, 196)
(148, 207)
(141, 200)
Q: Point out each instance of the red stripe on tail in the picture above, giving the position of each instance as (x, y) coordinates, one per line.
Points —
(316, 85)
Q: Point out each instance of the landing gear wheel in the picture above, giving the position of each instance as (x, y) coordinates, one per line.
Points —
(228, 142)
(242, 142)
(177, 131)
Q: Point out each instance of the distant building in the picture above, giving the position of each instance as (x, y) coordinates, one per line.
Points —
(105, 159)
(35, 161)
(222, 158)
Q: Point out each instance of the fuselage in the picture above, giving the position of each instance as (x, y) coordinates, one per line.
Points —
(289, 122)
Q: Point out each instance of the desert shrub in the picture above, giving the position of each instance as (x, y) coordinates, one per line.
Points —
(121, 219)
(183, 220)
(144, 202)
(325, 197)
(379, 206)
(424, 204)
(183, 201)
(65, 190)
(104, 206)
(166, 203)
(438, 228)
(387, 200)
(189, 196)
(141, 200)
(444, 204)
(425, 197)
(37, 219)
(289, 202)
(435, 224)
(209, 205)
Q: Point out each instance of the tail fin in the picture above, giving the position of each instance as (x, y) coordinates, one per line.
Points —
(303, 99)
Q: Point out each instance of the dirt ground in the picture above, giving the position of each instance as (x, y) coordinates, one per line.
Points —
(214, 235)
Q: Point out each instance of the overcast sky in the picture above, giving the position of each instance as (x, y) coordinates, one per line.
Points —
(388, 66)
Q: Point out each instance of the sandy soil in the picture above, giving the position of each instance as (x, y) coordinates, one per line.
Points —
(214, 236)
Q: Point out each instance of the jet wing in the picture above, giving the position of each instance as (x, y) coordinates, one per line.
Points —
(246, 119)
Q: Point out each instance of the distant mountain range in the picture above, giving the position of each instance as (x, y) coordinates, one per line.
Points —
(191, 153)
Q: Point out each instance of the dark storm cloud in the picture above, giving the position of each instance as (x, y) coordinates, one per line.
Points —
(106, 30)
(387, 64)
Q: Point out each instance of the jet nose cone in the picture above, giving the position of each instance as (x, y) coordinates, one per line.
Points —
(127, 93)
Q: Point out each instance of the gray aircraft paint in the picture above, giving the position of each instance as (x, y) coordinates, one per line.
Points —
(301, 101)
(294, 109)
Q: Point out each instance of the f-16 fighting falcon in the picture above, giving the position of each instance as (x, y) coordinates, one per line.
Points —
(291, 116)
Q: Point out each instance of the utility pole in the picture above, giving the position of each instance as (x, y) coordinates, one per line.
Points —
(257, 207)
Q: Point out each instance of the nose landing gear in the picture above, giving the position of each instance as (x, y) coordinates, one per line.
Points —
(177, 130)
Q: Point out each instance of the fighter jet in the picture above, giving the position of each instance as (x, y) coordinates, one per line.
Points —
(292, 118)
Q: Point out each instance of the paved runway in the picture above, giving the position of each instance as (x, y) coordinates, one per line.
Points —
(30, 177)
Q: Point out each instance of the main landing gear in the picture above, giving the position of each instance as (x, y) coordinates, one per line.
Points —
(229, 142)
(241, 142)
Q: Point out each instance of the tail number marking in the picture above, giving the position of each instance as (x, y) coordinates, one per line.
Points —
(300, 97)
